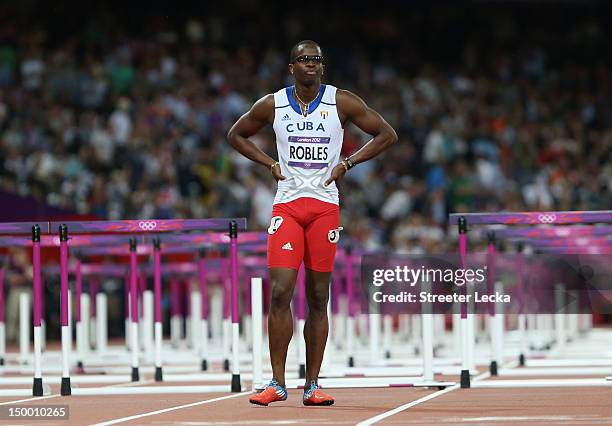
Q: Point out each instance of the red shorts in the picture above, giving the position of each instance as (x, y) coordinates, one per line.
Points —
(303, 229)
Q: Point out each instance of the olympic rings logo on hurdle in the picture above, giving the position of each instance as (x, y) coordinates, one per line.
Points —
(147, 225)
(547, 218)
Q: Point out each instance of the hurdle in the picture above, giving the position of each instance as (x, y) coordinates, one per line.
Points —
(133, 227)
(2, 325)
(496, 316)
(176, 244)
(21, 229)
(350, 321)
(182, 244)
(37, 388)
(99, 308)
(257, 333)
(549, 240)
(506, 218)
(344, 379)
(203, 309)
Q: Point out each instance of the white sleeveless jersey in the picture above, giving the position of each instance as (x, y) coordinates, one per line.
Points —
(308, 147)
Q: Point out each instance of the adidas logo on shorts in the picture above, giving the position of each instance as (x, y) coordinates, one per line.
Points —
(287, 247)
(286, 117)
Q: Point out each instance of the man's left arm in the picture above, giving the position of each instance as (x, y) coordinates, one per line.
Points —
(353, 108)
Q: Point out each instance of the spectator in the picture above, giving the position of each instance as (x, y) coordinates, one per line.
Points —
(130, 121)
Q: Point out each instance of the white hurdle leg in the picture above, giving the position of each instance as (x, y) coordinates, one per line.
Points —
(495, 362)
(37, 384)
(301, 348)
(472, 316)
(81, 341)
(66, 349)
(142, 324)
(236, 349)
(101, 323)
(374, 338)
(499, 333)
(523, 338)
(80, 344)
(85, 320)
(439, 330)
(147, 324)
(204, 344)
(350, 340)
(339, 326)
(93, 330)
(37, 359)
(227, 342)
(2, 342)
(186, 325)
(387, 330)
(92, 322)
(196, 319)
(456, 328)
(248, 327)
(128, 345)
(134, 314)
(2, 326)
(175, 330)
(415, 335)
(427, 334)
(496, 329)
(215, 314)
(135, 350)
(158, 347)
(465, 361)
(43, 334)
(257, 333)
(24, 327)
(363, 325)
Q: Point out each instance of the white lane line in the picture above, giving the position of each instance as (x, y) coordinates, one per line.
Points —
(166, 410)
(36, 398)
(40, 398)
(128, 384)
(401, 408)
(517, 419)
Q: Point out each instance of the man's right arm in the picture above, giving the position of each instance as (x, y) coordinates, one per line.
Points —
(258, 116)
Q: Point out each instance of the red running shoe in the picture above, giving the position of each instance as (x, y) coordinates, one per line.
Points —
(313, 396)
(272, 393)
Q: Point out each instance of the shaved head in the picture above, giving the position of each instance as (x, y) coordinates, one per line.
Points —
(295, 50)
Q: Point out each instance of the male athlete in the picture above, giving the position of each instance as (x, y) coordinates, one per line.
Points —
(308, 120)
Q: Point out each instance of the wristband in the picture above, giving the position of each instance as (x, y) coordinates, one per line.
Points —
(349, 163)
(346, 167)
(274, 164)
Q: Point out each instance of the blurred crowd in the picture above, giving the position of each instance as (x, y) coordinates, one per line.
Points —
(132, 125)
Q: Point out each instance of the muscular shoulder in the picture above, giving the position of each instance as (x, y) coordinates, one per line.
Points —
(263, 109)
(349, 104)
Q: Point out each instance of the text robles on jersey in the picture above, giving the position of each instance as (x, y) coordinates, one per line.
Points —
(312, 151)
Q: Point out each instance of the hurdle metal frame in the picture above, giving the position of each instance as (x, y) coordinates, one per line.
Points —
(462, 220)
(97, 227)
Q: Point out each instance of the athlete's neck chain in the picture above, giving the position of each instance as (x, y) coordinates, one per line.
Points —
(303, 105)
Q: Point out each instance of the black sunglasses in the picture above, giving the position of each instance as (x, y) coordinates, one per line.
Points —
(317, 59)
